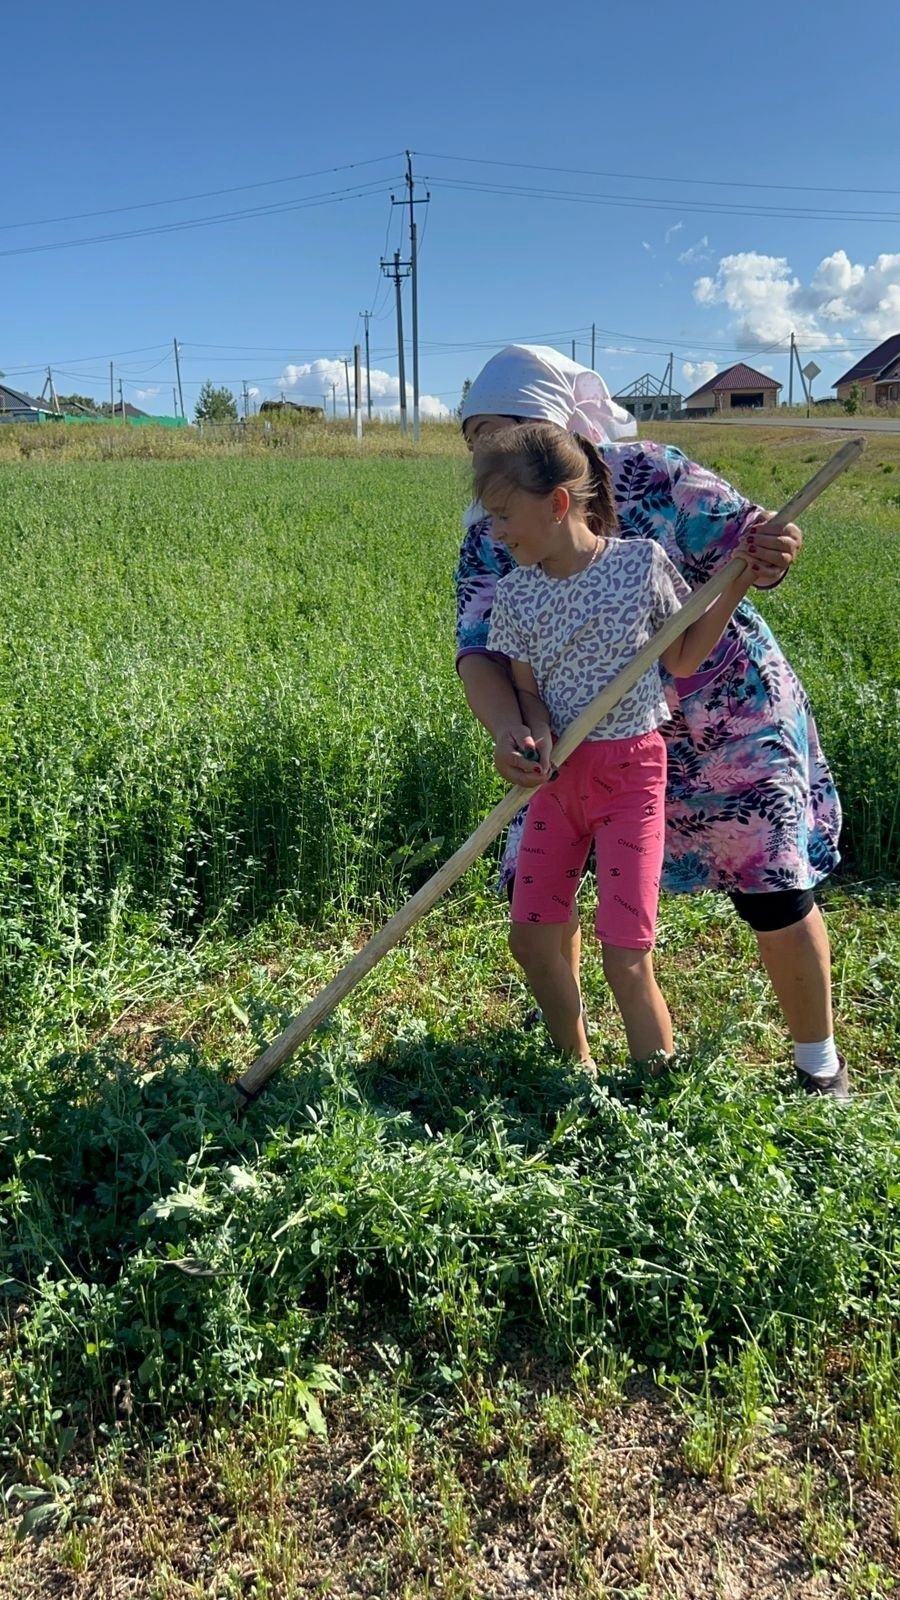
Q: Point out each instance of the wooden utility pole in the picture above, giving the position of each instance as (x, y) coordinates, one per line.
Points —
(178, 376)
(112, 392)
(398, 272)
(347, 378)
(413, 264)
(334, 401)
(122, 402)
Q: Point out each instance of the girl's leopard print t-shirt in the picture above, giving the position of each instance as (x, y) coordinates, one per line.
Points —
(577, 633)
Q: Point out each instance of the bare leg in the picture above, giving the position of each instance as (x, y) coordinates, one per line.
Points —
(798, 961)
(648, 1025)
(544, 950)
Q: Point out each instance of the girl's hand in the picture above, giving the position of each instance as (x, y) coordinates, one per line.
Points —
(516, 768)
(771, 553)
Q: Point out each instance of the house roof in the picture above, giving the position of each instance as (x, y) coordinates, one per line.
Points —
(15, 400)
(884, 355)
(740, 376)
(646, 387)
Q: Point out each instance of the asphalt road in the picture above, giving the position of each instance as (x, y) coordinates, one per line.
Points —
(828, 424)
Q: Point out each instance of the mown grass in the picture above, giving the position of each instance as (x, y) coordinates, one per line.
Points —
(229, 720)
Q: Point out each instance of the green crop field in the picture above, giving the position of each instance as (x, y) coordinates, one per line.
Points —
(432, 1319)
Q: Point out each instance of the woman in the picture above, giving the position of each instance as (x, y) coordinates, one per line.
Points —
(751, 805)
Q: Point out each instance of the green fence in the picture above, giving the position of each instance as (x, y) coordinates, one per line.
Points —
(131, 422)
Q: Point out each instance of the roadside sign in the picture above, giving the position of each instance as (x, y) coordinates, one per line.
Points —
(811, 371)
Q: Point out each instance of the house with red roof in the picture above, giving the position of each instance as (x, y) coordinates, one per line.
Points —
(738, 388)
(877, 374)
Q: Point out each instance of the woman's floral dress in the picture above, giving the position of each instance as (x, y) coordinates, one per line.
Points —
(751, 804)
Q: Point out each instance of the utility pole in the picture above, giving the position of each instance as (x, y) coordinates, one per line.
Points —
(573, 349)
(53, 398)
(178, 375)
(325, 407)
(347, 378)
(412, 202)
(796, 355)
(122, 402)
(365, 316)
(593, 346)
(246, 398)
(398, 273)
(334, 401)
(791, 375)
(112, 396)
(357, 388)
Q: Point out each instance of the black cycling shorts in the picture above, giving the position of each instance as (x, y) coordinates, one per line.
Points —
(775, 909)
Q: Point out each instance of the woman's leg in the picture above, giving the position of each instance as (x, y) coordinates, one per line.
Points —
(648, 1025)
(543, 950)
(798, 961)
(793, 943)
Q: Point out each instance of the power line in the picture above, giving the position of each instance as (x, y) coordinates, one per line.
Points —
(75, 361)
(204, 194)
(651, 203)
(328, 197)
(656, 177)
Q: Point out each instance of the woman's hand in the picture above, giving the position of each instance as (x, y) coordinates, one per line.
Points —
(516, 768)
(771, 553)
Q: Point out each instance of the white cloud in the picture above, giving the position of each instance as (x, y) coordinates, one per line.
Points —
(647, 245)
(867, 297)
(253, 393)
(146, 394)
(671, 232)
(696, 373)
(696, 252)
(768, 301)
(311, 382)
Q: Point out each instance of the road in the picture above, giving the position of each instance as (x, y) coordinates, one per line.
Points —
(766, 419)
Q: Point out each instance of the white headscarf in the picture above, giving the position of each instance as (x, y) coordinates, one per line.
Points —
(533, 381)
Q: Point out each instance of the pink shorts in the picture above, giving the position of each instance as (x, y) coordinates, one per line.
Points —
(611, 791)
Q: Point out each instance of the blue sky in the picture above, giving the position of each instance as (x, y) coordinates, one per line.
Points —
(787, 107)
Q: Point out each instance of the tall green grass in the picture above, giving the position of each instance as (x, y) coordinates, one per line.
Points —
(229, 683)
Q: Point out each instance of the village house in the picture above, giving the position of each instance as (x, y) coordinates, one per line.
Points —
(737, 388)
(877, 375)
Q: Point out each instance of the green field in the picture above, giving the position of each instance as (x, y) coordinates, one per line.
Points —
(231, 739)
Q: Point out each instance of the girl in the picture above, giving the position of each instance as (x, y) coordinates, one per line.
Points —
(576, 608)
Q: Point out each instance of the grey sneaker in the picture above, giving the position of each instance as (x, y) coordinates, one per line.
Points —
(837, 1087)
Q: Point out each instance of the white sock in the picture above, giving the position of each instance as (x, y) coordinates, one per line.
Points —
(817, 1060)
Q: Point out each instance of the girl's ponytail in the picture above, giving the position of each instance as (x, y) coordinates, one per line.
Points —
(601, 507)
